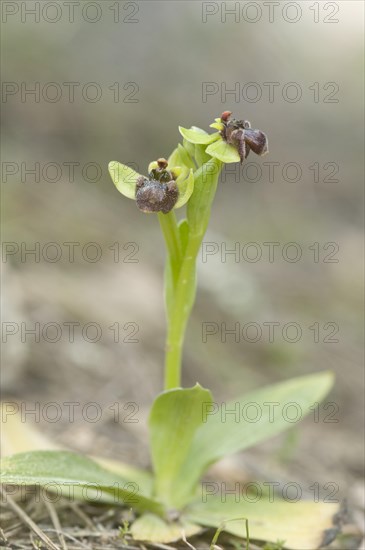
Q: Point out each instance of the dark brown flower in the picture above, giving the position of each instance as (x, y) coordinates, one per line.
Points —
(158, 192)
(240, 134)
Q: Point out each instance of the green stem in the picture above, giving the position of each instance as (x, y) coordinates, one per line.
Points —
(168, 224)
(185, 284)
(183, 302)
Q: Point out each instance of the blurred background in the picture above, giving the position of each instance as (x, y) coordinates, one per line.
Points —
(113, 81)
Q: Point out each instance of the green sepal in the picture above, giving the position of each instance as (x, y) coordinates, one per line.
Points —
(217, 125)
(124, 178)
(197, 136)
(223, 151)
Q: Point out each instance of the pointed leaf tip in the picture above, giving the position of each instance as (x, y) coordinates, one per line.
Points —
(174, 419)
(221, 435)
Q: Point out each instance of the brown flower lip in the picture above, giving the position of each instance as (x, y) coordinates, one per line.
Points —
(154, 196)
(158, 192)
(240, 134)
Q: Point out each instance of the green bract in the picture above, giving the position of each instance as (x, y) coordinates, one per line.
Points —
(181, 157)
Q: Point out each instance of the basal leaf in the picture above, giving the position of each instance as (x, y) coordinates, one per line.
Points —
(152, 528)
(143, 478)
(303, 525)
(228, 428)
(175, 416)
(18, 436)
(74, 476)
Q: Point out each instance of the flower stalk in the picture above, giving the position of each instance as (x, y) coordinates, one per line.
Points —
(183, 287)
(189, 177)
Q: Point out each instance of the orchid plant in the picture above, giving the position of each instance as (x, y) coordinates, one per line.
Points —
(188, 430)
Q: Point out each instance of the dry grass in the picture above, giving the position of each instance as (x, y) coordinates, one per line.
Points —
(37, 523)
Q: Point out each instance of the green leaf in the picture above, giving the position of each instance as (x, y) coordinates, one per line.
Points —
(197, 152)
(74, 475)
(175, 416)
(189, 147)
(200, 155)
(169, 288)
(143, 478)
(124, 178)
(18, 436)
(198, 136)
(198, 209)
(223, 433)
(181, 157)
(186, 188)
(151, 528)
(185, 157)
(223, 151)
(183, 229)
(302, 524)
(184, 235)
